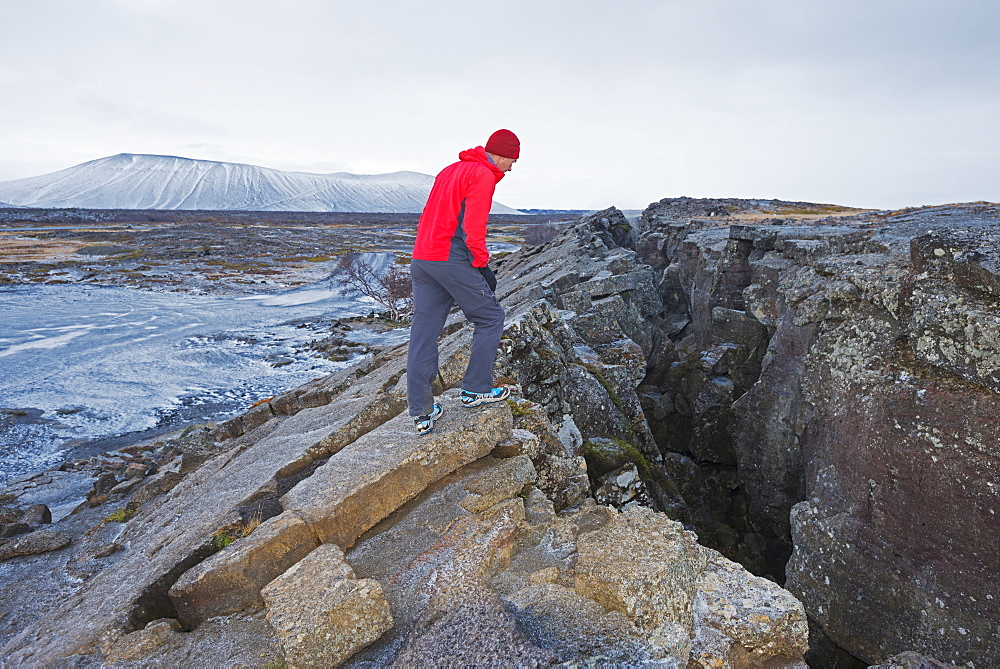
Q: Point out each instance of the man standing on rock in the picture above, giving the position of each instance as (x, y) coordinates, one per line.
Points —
(451, 266)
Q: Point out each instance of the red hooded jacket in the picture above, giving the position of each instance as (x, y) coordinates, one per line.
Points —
(462, 194)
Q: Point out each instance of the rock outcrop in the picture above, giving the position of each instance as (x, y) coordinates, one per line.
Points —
(839, 378)
(462, 544)
(821, 395)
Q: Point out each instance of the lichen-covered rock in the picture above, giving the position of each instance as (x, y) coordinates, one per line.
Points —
(576, 628)
(609, 228)
(564, 479)
(520, 442)
(912, 660)
(861, 358)
(37, 514)
(380, 471)
(435, 564)
(323, 614)
(622, 487)
(476, 630)
(586, 364)
(13, 529)
(953, 302)
(642, 564)
(243, 639)
(610, 463)
(9, 514)
(743, 620)
(478, 545)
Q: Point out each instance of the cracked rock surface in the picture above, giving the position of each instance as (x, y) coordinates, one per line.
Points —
(739, 386)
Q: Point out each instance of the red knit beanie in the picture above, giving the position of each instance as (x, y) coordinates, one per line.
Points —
(504, 143)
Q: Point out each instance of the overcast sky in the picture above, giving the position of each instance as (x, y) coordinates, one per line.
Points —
(874, 103)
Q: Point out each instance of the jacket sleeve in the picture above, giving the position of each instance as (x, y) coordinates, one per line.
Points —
(478, 200)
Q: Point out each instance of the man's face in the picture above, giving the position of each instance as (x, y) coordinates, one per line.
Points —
(505, 164)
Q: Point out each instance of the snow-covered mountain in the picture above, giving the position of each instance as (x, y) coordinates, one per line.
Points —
(140, 181)
(8, 205)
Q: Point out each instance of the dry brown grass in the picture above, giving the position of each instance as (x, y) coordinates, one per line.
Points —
(237, 530)
(26, 249)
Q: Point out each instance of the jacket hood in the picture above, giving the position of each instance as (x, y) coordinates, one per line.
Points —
(478, 154)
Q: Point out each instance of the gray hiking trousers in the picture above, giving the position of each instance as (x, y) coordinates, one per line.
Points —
(437, 285)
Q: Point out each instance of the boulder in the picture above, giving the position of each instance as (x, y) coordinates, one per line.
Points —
(504, 481)
(609, 227)
(564, 480)
(646, 566)
(323, 614)
(622, 487)
(520, 442)
(142, 643)
(743, 620)
(39, 541)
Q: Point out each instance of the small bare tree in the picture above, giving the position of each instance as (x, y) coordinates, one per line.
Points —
(391, 288)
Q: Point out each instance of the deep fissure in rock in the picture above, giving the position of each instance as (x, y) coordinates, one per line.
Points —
(824, 381)
(696, 376)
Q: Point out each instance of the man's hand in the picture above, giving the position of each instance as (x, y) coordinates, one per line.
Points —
(491, 278)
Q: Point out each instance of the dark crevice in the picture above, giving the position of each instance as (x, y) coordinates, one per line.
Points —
(154, 603)
(824, 653)
(268, 505)
(709, 355)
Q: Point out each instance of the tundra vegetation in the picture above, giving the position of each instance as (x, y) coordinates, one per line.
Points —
(209, 252)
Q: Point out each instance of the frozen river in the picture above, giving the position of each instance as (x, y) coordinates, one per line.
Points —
(79, 363)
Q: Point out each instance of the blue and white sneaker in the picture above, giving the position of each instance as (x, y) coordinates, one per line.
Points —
(475, 399)
(426, 423)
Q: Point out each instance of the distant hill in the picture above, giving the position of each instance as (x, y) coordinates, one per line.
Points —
(140, 181)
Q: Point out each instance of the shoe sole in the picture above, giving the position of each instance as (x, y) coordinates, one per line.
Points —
(485, 400)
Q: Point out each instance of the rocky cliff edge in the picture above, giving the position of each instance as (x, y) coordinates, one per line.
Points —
(811, 393)
(351, 540)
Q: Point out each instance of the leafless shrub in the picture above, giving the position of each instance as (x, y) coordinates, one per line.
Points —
(391, 288)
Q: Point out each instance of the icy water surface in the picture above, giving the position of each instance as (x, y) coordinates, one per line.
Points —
(79, 363)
